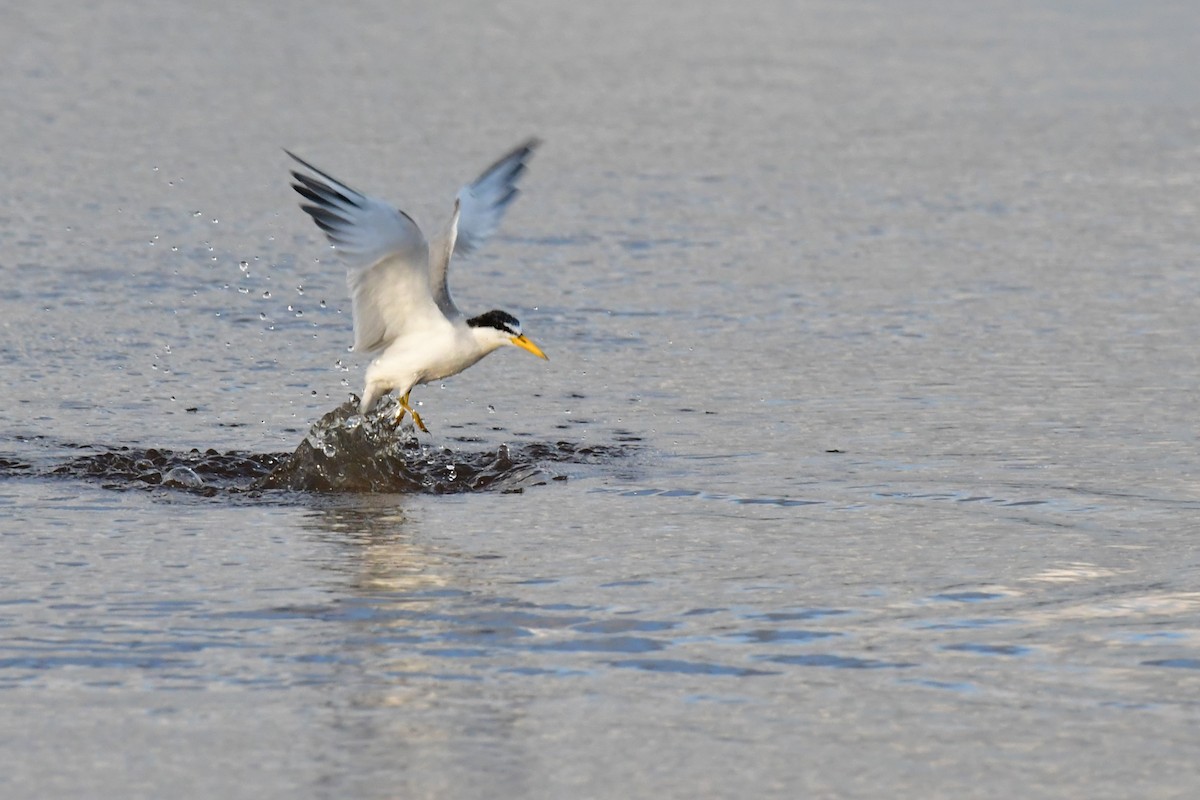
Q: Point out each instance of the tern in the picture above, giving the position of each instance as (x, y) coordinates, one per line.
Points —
(401, 301)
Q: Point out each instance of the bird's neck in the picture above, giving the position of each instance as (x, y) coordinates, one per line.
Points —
(487, 339)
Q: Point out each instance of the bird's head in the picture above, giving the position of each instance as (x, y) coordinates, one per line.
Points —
(498, 328)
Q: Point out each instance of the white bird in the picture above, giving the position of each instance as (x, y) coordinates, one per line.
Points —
(402, 305)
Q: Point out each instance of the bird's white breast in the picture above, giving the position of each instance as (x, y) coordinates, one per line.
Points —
(436, 353)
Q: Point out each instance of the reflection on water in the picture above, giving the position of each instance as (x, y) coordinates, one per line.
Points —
(387, 627)
(377, 557)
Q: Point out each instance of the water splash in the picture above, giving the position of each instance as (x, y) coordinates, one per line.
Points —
(343, 452)
(346, 452)
(206, 473)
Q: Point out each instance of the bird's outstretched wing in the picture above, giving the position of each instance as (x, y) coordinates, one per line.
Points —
(386, 256)
(479, 208)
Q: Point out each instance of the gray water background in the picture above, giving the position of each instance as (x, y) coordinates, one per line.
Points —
(894, 305)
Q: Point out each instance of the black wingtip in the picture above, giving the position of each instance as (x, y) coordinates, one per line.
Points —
(299, 160)
(514, 160)
(335, 184)
(524, 150)
(334, 225)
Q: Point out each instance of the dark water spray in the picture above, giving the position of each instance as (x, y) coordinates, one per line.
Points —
(343, 452)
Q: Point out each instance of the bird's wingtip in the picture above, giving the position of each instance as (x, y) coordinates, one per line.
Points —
(302, 162)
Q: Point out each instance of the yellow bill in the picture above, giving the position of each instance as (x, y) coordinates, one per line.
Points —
(525, 343)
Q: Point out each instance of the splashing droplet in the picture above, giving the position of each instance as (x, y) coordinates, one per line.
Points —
(183, 477)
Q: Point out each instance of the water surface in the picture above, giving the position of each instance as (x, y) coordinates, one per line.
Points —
(864, 463)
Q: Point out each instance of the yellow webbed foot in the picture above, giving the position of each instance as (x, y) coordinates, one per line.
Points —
(404, 406)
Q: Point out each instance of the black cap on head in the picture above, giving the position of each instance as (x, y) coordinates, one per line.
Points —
(500, 320)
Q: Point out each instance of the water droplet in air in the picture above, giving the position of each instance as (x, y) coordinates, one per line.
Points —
(244, 265)
(491, 409)
(323, 304)
(299, 289)
(267, 295)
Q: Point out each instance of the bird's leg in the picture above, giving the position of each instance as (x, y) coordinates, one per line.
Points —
(404, 406)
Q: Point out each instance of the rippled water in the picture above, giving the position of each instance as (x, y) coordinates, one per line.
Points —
(864, 463)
